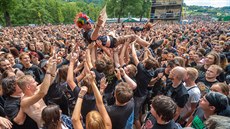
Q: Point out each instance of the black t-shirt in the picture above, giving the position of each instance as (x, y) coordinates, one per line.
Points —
(56, 95)
(36, 72)
(207, 83)
(2, 112)
(19, 66)
(112, 81)
(172, 50)
(179, 95)
(99, 76)
(202, 72)
(109, 90)
(137, 29)
(143, 78)
(89, 102)
(120, 114)
(152, 123)
(158, 86)
(12, 107)
(87, 36)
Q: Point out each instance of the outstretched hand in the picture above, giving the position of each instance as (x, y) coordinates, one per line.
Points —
(83, 91)
(74, 56)
(118, 73)
(122, 71)
(99, 43)
(103, 84)
(100, 20)
(5, 123)
(91, 76)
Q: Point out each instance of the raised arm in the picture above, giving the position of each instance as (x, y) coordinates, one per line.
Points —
(127, 57)
(105, 49)
(77, 109)
(99, 102)
(97, 28)
(43, 89)
(70, 75)
(146, 53)
(93, 52)
(88, 59)
(130, 81)
(116, 58)
(79, 67)
(122, 54)
(134, 54)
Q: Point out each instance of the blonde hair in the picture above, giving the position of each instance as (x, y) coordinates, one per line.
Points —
(192, 72)
(23, 81)
(218, 69)
(94, 120)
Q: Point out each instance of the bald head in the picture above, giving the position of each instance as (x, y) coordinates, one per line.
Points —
(179, 72)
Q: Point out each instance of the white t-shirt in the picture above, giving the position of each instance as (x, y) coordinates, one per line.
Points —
(194, 97)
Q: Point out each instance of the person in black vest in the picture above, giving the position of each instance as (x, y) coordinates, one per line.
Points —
(177, 90)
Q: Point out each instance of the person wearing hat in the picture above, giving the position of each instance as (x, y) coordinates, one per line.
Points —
(91, 35)
(211, 104)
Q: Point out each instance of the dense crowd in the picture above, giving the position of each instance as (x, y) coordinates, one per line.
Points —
(120, 76)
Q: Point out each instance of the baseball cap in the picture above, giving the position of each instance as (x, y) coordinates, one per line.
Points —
(218, 100)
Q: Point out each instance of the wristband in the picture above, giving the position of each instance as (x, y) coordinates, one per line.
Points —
(48, 73)
(98, 26)
(80, 96)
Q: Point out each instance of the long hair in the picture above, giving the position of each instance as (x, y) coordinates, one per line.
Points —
(62, 74)
(51, 117)
(94, 120)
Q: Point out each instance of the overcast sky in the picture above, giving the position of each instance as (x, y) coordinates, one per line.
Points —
(214, 3)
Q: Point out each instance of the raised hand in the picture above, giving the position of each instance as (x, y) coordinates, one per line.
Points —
(5, 123)
(118, 74)
(103, 84)
(82, 92)
(122, 71)
(99, 43)
(74, 56)
(100, 20)
(91, 76)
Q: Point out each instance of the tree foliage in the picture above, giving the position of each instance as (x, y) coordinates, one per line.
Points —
(24, 12)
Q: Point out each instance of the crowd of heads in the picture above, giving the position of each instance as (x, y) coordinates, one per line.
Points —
(196, 53)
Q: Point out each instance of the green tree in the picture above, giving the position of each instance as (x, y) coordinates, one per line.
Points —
(5, 7)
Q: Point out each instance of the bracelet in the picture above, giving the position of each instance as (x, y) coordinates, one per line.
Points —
(101, 92)
(98, 26)
(80, 96)
(48, 73)
(52, 75)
